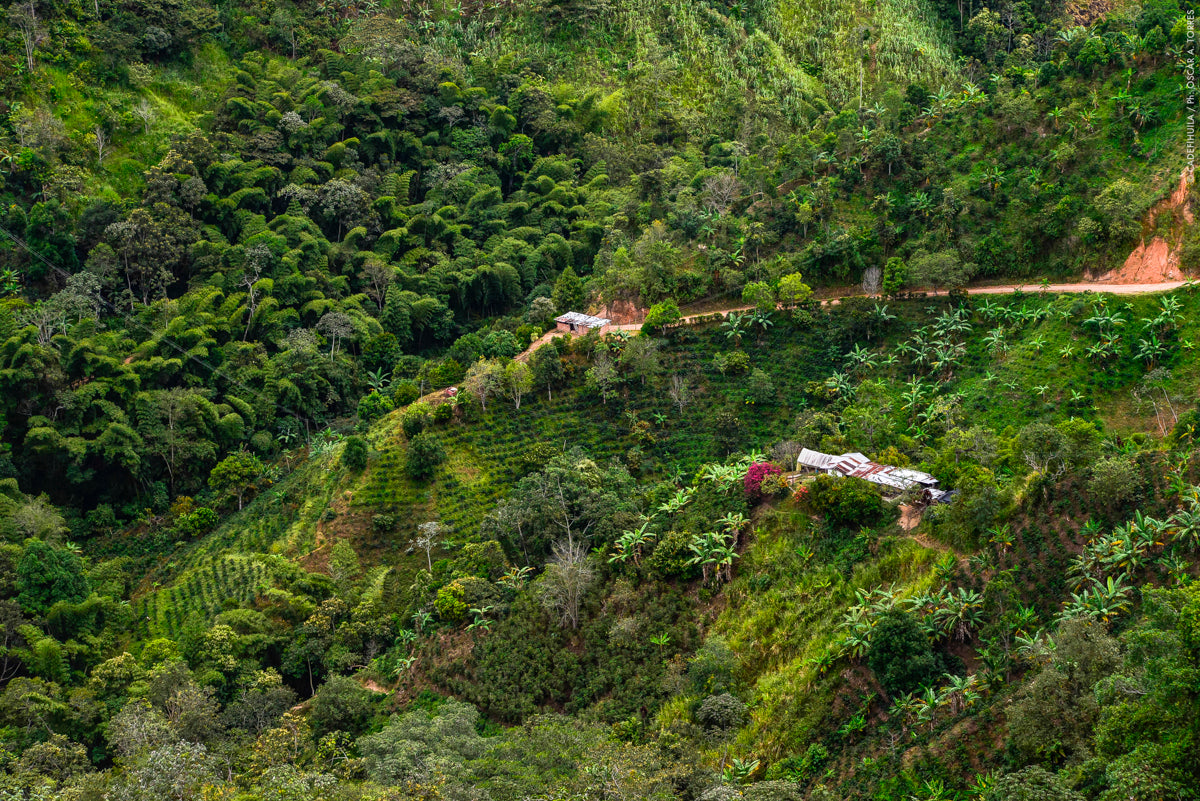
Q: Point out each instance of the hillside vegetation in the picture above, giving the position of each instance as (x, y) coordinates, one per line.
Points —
(292, 509)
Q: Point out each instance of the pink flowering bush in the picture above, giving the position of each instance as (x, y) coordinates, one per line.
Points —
(754, 478)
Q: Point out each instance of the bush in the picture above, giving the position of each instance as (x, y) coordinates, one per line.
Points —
(425, 453)
(341, 705)
(756, 475)
(449, 604)
(670, 556)
(199, 521)
(661, 317)
(1114, 481)
(442, 413)
(404, 393)
(501, 345)
(760, 389)
(1031, 784)
(774, 486)
(354, 454)
(374, 406)
(416, 419)
(848, 502)
(445, 373)
(47, 575)
(484, 560)
(733, 363)
(901, 656)
(711, 670)
(721, 712)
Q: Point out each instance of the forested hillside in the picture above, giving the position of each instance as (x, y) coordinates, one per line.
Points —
(255, 548)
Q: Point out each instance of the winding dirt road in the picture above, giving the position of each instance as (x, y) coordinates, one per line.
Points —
(1006, 289)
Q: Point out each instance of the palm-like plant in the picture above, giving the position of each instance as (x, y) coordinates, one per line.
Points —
(1184, 527)
(762, 321)
(904, 708)
(1103, 601)
(677, 501)
(734, 522)
(860, 358)
(735, 327)
(994, 340)
(1001, 537)
(961, 613)
(961, 693)
(1150, 349)
(739, 771)
(630, 544)
(840, 383)
(379, 381)
(1035, 648)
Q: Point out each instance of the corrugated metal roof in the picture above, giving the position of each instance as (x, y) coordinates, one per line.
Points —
(857, 465)
(815, 459)
(578, 318)
(896, 477)
(849, 462)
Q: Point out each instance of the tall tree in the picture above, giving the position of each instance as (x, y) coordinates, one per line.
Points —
(568, 292)
(177, 425)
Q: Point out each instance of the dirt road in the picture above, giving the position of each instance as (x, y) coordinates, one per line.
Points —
(1006, 289)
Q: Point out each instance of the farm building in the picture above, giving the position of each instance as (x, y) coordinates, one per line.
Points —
(893, 480)
(577, 323)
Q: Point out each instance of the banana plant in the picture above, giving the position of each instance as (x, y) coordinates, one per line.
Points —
(739, 771)
(961, 614)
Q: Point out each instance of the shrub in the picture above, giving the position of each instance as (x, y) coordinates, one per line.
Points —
(1114, 480)
(848, 502)
(46, 575)
(425, 453)
(901, 656)
(799, 767)
(760, 389)
(449, 604)
(733, 363)
(445, 373)
(895, 274)
(756, 475)
(199, 521)
(341, 705)
(1031, 784)
(482, 559)
(711, 670)
(661, 317)
(670, 556)
(416, 419)
(442, 413)
(404, 393)
(721, 712)
(374, 406)
(501, 345)
(467, 349)
(773, 486)
(354, 454)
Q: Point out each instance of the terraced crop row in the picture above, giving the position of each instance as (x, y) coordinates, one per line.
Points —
(203, 590)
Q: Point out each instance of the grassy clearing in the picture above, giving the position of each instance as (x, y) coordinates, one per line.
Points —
(782, 617)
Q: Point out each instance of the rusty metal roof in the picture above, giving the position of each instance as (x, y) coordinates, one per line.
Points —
(857, 465)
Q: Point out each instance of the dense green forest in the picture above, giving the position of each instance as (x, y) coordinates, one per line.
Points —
(253, 547)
